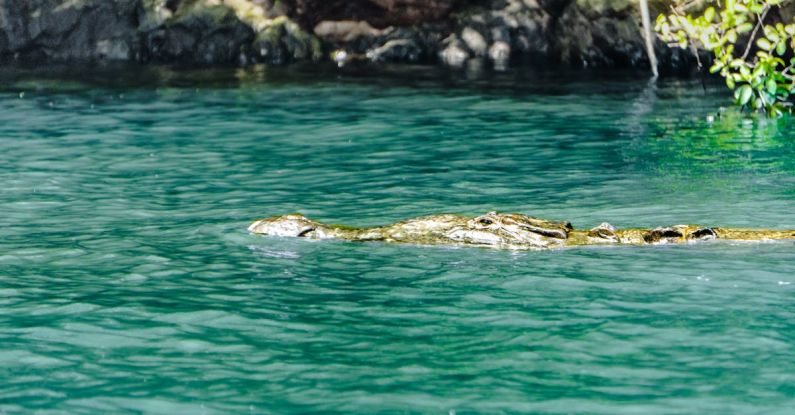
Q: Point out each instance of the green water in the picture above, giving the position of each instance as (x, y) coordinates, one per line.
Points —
(128, 283)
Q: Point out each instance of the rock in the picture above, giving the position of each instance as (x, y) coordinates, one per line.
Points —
(583, 33)
(344, 31)
(603, 7)
(152, 14)
(299, 44)
(283, 41)
(600, 33)
(379, 13)
(200, 33)
(75, 30)
(474, 41)
(500, 32)
(416, 10)
(454, 54)
(268, 46)
(113, 49)
(500, 49)
(528, 27)
(399, 50)
(500, 52)
(505, 29)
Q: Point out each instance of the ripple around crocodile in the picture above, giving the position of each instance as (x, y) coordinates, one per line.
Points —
(505, 231)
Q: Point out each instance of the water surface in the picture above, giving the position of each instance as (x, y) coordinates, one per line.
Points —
(128, 282)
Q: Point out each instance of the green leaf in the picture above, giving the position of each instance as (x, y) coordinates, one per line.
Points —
(659, 22)
(716, 67)
(709, 14)
(730, 82)
(764, 44)
(731, 35)
(744, 28)
(744, 94)
(781, 47)
(770, 85)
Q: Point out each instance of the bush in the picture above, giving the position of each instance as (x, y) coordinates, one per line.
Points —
(731, 30)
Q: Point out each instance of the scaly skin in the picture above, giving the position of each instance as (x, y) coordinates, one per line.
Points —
(506, 231)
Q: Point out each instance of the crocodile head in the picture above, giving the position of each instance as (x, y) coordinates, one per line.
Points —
(294, 225)
(510, 230)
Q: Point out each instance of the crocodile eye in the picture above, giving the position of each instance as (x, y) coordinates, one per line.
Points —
(485, 221)
(305, 232)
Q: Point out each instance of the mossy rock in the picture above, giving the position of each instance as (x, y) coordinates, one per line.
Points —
(190, 13)
(606, 6)
(300, 44)
(284, 40)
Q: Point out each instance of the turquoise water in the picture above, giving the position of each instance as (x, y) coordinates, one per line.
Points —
(128, 283)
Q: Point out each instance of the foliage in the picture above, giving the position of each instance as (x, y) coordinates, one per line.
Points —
(764, 80)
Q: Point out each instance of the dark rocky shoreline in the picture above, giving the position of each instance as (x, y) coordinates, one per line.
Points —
(572, 33)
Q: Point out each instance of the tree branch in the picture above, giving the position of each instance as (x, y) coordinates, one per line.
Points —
(644, 15)
(753, 34)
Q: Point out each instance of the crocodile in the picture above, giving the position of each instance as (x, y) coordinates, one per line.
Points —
(505, 231)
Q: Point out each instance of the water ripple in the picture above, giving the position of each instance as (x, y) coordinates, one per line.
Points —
(128, 283)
